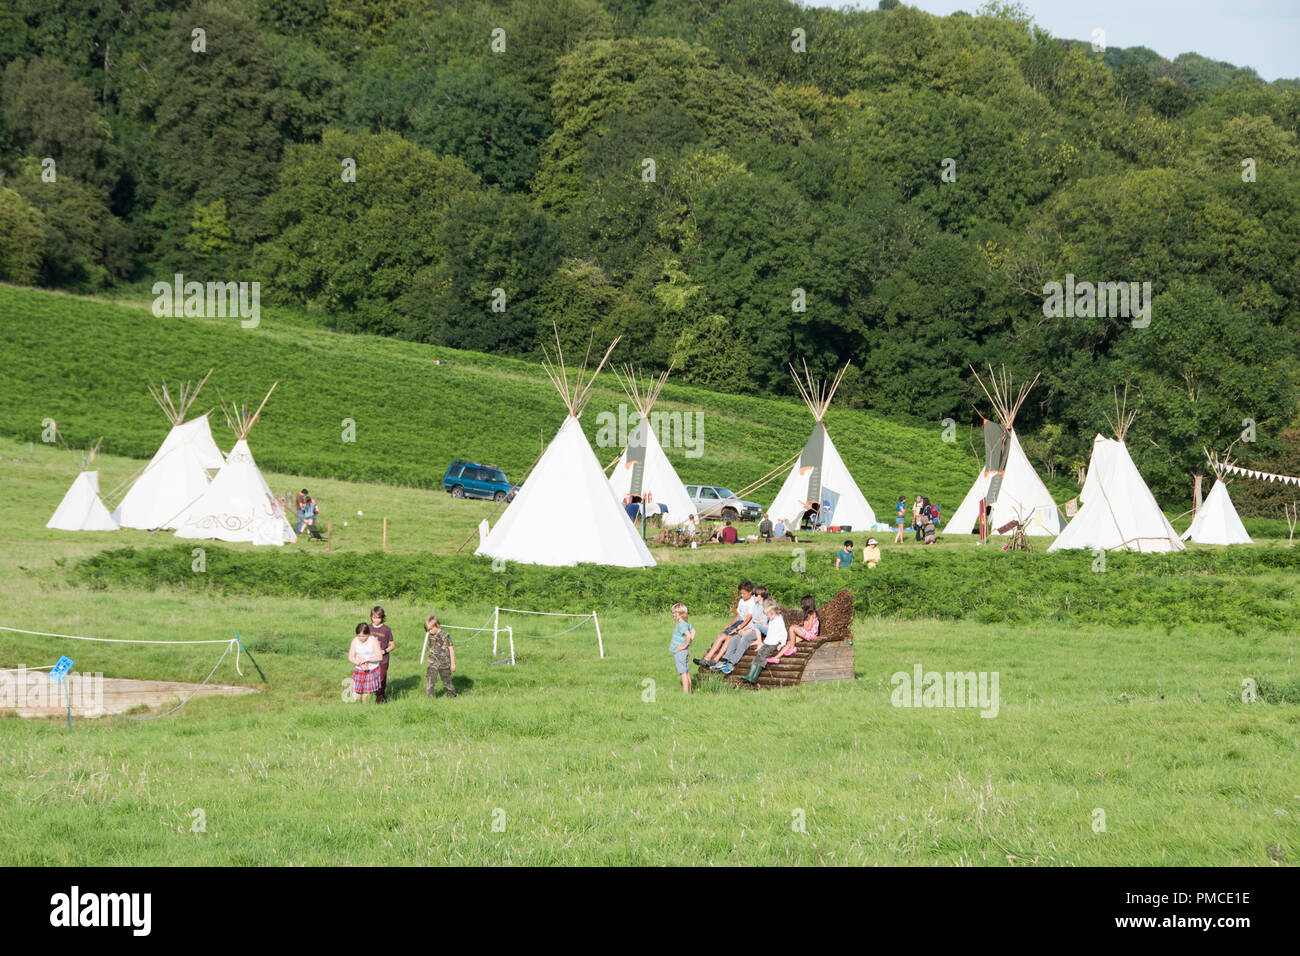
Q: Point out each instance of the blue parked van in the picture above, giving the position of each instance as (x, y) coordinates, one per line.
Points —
(469, 479)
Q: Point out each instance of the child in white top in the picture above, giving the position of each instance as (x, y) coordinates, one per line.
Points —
(773, 640)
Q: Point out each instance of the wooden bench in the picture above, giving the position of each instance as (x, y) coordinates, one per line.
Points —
(830, 657)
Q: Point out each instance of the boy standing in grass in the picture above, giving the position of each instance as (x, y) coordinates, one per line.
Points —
(680, 645)
(442, 658)
(844, 559)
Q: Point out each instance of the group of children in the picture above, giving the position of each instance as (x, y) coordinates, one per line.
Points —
(759, 620)
(374, 642)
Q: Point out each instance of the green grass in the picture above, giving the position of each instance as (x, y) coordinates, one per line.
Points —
(85, 363)
(1142, 721)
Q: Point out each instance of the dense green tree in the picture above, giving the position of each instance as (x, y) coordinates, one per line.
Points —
(483, 293)
(215, 119)
(359, 250)
(51, 114)
(607, 77)
(21, 238)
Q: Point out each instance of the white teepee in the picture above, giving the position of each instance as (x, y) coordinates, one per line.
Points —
(81, 509)
(1119, 513)
(1216, 521)
(643, 472)
(566, 513)
(1007, 477)
(177, 475)
(819, 481)
(238, 505)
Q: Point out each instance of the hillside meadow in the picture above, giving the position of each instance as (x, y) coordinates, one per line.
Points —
(87, 364)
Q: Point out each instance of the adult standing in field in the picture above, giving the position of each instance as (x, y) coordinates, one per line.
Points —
(383, 635)
(300, 500)
(765, 528)
(902, 511)
(916, 515)
(364, 655)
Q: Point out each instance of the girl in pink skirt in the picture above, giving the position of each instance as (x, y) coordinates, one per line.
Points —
(807, 631)
(365, 655)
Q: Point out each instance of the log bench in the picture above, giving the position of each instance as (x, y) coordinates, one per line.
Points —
(830, 657)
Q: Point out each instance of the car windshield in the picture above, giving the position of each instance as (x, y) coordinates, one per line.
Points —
(725, 493)
(494, 475)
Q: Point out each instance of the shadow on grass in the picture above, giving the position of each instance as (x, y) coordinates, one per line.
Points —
(403, 687)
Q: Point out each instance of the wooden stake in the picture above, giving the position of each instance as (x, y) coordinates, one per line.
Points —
(385, 545)
(329, 534)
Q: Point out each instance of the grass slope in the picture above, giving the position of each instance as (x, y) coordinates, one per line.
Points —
(85, 364)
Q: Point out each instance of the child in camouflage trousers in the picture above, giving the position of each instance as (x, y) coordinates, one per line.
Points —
(442, 658)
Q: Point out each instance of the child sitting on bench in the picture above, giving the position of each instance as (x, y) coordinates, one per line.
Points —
(743, 614)
(774, 639)
(807, 631)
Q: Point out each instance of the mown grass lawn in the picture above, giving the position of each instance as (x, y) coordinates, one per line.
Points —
(566, 758)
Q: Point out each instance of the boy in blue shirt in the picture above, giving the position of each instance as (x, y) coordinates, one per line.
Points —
(680, 645)
(845, 558)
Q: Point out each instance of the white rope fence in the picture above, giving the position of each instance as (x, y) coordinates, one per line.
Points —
(232, 642)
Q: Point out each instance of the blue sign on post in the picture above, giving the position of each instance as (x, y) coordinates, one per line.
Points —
(60, 670)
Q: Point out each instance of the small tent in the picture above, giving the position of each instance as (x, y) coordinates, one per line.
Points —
(643, 475)
(1216, 521)
(177, 475)
(566, 513)
(81, 509)
(1118, 513)
(238, 505)
(1008, 481)
(819, 486)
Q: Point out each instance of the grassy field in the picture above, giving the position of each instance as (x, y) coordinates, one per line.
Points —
(86, 365)
(566, 758)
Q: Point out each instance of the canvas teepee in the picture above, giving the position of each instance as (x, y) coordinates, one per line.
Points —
(819, 482)
(177, 475)
(643, 473)
(1216, 521)
(1119, 512)
(238, 505)
(81, 509)
(566, 513)
(1008, 481)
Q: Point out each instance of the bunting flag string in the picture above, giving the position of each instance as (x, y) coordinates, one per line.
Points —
(1262, 475)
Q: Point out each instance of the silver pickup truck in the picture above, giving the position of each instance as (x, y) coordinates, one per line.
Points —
(714, 501)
